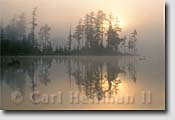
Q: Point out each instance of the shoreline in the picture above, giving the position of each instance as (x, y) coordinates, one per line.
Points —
(72, 56)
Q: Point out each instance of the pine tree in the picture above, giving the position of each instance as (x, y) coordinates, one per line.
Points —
(69, 40)
(34, 24)
(123, 45)
(21, 27)
(78, 35)
(44, 37)
(132, 42)
(101, 16)
(87, 31)
(113, 39)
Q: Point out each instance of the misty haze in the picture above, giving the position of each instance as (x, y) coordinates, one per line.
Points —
(100, 49)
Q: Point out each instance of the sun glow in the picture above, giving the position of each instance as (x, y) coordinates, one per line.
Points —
(121, 24)
(118, 22)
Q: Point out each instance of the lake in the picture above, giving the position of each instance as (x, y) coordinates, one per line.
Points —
(83, 83)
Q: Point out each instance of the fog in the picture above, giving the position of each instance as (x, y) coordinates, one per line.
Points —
(147, 16)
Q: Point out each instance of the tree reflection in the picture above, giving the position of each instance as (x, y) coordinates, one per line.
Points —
(132, 72)
(96, 78)
(17, 77)
(45, 66)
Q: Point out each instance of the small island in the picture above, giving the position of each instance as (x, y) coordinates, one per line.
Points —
(97, 33)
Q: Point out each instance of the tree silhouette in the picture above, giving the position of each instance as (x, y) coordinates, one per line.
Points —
(78, 35)
(132, 42)
(97, 33)
(34, 24)
(44, 37)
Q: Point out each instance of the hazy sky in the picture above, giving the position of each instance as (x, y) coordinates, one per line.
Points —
(147, 16)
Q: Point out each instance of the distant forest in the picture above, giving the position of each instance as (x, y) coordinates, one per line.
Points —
(96, 34)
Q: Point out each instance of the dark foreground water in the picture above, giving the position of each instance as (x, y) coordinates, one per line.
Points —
(83, 83)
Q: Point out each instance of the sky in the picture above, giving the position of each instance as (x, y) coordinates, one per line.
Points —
(147, 16)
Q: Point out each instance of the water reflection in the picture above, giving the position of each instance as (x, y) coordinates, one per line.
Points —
(99, 77)
(95, 77)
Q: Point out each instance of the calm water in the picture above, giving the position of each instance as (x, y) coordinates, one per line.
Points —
(83, 83)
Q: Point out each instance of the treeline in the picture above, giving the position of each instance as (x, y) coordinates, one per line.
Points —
(99, 33)
(95, 34)
(15, 40)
